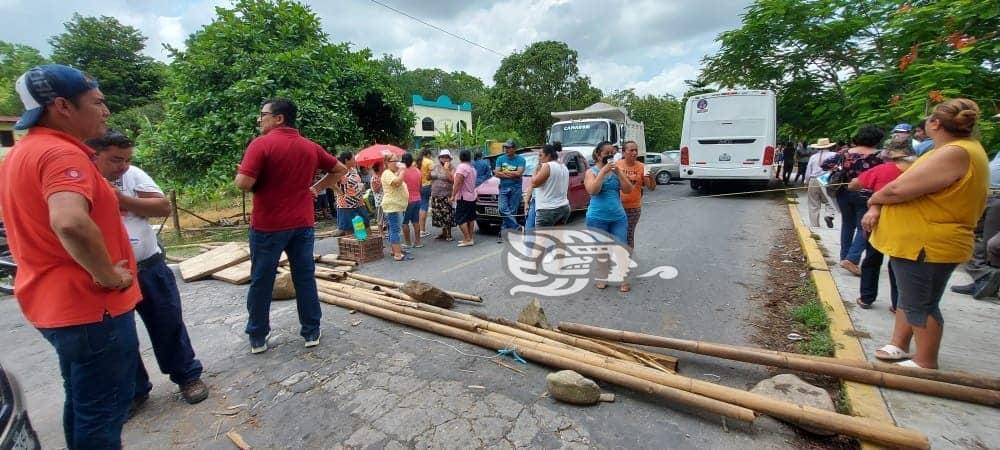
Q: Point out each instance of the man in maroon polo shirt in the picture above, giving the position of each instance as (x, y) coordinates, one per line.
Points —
(278, 168)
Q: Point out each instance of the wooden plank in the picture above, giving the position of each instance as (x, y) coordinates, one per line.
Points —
(205, 264)
(238, 274)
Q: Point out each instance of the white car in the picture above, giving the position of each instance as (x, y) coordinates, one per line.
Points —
(663, 167)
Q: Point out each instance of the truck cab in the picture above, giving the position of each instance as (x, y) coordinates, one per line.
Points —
(582, 130)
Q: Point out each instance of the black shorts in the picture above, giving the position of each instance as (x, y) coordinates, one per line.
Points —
(465, 211)
(920, 285)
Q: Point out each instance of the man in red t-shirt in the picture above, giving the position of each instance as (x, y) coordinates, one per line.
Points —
(278, 167)
(75, 263)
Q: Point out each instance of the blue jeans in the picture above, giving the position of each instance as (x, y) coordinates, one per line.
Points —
(425, 198)
(509, 202)
(617, 228)
(97, 363)
(529, 220)
(395, 221)
(853, 238)
(265, 250)
(160, 310)
(345, 218)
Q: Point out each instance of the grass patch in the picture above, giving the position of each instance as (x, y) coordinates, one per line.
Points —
(842, 403)
(812, 314)
(196, 236)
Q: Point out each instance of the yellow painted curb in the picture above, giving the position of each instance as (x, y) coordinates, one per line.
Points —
(865, 400)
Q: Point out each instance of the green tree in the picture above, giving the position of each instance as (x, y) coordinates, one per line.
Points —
(661, 116)
(112, 53)
(253, 51)
(836, 64)
(531, 84)
(15, 59)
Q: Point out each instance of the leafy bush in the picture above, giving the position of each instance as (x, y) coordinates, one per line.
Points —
(257, 50)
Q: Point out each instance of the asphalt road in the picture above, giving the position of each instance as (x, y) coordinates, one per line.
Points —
(381, 385)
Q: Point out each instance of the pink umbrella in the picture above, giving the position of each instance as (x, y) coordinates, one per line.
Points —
(369, 156)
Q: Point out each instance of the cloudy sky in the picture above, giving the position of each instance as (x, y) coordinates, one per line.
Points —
(649, 45)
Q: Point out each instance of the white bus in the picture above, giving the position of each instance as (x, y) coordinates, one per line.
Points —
(728, 136)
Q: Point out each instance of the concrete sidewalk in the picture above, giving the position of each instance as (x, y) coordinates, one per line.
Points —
(969, 344)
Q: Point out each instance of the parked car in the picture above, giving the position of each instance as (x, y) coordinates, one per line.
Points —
(15, 428)
(663, 167)
(487, 209)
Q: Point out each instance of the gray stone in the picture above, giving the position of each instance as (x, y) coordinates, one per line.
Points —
(790, 388)
(534, 315)
(571, 387)
(283, 287)
(295, 378)
(427, 293)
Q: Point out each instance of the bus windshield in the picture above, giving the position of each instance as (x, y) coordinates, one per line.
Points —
(579, 133)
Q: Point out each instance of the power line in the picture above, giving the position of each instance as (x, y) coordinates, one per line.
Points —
(437, 28)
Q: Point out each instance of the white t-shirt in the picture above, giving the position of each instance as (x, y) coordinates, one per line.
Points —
(140, 234)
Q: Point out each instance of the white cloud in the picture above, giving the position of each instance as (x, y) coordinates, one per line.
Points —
(669, 81)
(170, 31)
(649, 45)
(610, 76)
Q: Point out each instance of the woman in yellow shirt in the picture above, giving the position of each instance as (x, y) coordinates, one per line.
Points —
(426, 164)
(924, 220)
(395, 198)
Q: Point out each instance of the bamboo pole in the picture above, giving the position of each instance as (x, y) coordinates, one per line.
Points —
(946, 376)
(557, 336)
(892, 381)
(861, 428)
(536, 352)
(398, 285)
(175, 215)
(667, 360)
(481, 324)
(334, 299)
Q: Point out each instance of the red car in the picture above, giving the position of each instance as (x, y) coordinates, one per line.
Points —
(487, 210)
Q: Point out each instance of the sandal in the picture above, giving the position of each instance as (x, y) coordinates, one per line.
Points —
(890, 352)
(403, 257)
(600, 285)
(418, 245)
(909, 363)
(862, 304)
(624, 288)
(465, 244)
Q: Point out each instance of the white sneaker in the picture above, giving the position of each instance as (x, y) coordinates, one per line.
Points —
(314, 342)
(259, 346)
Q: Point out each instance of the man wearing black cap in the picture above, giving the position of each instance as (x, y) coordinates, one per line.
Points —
(75, 263)
(509, 169)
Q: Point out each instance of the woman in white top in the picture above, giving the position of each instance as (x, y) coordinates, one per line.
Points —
(551, 186)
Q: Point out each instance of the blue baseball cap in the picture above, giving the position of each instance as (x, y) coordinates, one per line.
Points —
(41, 85)
(903, 128)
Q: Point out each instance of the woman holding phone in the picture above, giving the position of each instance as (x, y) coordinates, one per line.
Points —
(605, 212)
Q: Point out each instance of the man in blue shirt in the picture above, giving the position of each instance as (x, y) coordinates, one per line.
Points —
(483, 169)
(921, 142)
(509, 169)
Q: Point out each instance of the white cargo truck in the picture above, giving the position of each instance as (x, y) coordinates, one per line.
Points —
(582, 130)
(729, 136)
